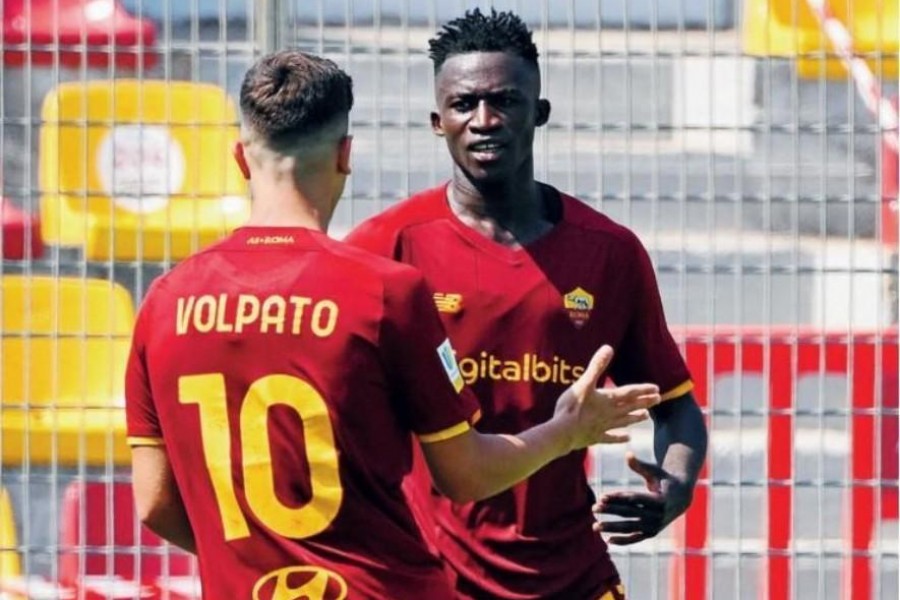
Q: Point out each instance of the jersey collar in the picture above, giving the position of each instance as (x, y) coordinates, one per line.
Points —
(513, 255)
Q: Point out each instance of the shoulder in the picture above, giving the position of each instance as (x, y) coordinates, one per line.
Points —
(368, 269)
(380, 232)
(184, 273)
(177, 278)
(425, 206)
(594, 224)
(160, 287)
(395, 290)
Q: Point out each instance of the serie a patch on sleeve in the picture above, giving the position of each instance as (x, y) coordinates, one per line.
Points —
(451, 367)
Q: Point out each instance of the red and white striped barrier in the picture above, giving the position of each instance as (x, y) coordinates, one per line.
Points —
(869, 362)
(100, 588)
(867, 84)
(884, 111)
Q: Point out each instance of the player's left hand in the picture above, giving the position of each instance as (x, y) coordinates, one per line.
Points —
(644, 514)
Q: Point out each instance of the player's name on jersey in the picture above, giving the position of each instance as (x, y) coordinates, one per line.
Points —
(226, 313)
(529, 367)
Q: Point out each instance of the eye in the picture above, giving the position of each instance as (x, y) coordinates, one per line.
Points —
(463, 104)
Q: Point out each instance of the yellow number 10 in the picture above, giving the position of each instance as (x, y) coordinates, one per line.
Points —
(208, 393)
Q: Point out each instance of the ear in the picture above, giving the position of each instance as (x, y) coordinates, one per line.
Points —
(238, 152)
(543, 112)
(343, 158)
(436, 125)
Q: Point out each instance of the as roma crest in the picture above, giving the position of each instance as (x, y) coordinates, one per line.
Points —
(578, 303)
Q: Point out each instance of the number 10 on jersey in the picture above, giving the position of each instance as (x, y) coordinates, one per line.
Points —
(208, 392)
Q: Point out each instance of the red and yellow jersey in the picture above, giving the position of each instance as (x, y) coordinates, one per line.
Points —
(284, 372)
(524, 323)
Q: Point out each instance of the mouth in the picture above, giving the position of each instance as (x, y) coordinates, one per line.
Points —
(486, 151)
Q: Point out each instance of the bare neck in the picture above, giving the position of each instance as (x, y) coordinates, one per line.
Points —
(513, 214)
(282, 204)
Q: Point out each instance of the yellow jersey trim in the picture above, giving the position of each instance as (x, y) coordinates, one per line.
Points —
(145, 441)
(445, 434)
(679, 390)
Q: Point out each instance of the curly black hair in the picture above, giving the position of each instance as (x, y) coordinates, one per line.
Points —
(290, 94)
(478, 32)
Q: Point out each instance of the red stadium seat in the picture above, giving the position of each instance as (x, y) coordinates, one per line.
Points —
(104, 548)
(16, 222)
(91, 30)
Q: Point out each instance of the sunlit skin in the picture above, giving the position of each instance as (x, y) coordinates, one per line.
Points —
(488, 106)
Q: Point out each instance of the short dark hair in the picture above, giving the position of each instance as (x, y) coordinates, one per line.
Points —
(291, 94)
(478, 32)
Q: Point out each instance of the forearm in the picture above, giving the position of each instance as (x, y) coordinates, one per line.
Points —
(680, 438)
(170, 522)
(679, 442)
(509, 459)
(475, 466)
(157, 498)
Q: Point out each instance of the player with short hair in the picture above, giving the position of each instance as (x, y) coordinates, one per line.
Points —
(275, 378)
(528, 280)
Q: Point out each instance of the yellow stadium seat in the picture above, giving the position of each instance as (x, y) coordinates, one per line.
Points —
(139, 170)
(789, 29)
(10, 564)
(65, 344)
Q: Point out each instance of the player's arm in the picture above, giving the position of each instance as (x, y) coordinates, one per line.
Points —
(679, 442)
(680, 436)
(472, 466)
(157, 499)
(156, 496)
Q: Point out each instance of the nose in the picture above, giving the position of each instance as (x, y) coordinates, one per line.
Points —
(485, 117)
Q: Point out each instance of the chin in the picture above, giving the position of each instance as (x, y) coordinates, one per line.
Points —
(490, 174)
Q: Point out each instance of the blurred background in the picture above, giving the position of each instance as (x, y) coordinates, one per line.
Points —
(752, 145)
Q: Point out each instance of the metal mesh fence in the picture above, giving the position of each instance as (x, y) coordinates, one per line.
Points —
(752, 168)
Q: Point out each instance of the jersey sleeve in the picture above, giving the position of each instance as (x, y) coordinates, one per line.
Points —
(421, 362)
(375, 236)
(140, 411)
(648, 353)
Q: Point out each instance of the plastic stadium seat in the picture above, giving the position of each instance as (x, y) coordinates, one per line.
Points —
(104, 545)
(139, 169)
(10, 565)
(17, 226)
(788, 28)
(84, 29)
(63, 351)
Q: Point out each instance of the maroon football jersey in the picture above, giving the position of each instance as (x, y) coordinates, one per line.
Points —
(284, 371)
(525, 322)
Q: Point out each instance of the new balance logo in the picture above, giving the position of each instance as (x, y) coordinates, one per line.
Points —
(448, 303)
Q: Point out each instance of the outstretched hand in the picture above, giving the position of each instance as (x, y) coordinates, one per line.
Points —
(644, 514)
(597, 412)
